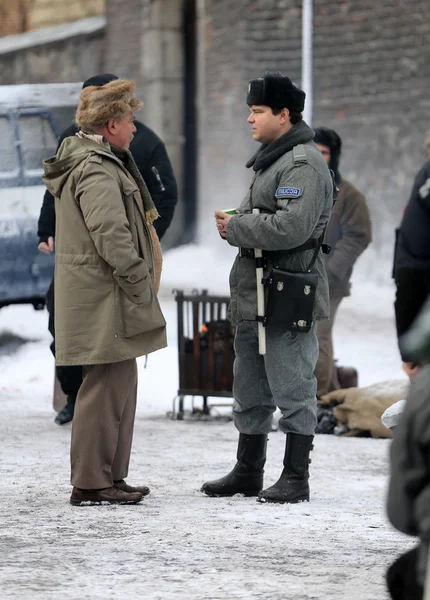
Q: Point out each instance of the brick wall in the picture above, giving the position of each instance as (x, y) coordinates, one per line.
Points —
(14, 16)
(371, 84)
(19, 16)
(47, 13)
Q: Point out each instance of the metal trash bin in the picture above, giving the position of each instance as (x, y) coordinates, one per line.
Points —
(205, 351)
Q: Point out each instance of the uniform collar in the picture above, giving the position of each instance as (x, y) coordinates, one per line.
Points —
(267, 154)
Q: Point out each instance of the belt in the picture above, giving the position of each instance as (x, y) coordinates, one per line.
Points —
(276, 254)
(246, 253)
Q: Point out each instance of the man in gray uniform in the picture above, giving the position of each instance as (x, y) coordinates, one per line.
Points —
(293, 189)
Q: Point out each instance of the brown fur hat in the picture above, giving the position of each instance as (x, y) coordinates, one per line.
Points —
(98, 104)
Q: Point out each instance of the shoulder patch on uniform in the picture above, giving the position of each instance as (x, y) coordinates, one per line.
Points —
(288, 192)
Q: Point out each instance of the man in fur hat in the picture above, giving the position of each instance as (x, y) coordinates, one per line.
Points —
(293, 189)
(154, 165)
(107, 271)
(349, 232)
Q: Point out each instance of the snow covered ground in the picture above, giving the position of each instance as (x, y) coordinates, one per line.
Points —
(179, 543)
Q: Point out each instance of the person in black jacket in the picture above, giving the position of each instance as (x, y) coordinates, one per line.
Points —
(408, 498)
(412, 257)
(153, 162)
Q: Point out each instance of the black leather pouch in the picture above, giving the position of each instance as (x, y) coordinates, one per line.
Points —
(291, 299)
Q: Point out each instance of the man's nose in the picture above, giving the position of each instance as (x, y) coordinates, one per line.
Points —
(250, 119)
(134, 128)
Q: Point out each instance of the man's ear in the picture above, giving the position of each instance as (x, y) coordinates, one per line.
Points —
(284, 115)
(111, 126)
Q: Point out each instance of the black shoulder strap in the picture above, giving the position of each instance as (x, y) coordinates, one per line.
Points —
(317, 249)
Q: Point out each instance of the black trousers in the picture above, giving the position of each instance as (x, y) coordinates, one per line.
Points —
(402, 577)
(70, 378)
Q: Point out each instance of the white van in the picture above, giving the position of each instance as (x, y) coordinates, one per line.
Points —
(31, 119)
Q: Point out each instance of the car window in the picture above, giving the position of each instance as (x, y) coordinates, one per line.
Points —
(38, 141)
(9, 166)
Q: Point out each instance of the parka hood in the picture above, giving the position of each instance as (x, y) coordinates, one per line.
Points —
(71, 153)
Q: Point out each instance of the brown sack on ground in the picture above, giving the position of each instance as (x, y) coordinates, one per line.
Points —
(361, 408)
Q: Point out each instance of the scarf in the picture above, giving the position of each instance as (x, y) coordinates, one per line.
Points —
(267, 154)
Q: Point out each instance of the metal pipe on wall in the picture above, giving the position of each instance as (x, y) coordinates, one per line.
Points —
(307, 58)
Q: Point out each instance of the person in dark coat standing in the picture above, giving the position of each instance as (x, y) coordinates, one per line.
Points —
(412, 257)
(349, 232)
(152, 160)
(408, 503)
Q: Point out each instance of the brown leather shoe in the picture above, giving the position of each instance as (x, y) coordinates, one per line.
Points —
(112, 495)
(122, 485)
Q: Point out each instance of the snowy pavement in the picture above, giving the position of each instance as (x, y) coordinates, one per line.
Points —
(179, 544)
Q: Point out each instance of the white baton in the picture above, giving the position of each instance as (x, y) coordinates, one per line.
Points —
(260, 298)
(427, 579)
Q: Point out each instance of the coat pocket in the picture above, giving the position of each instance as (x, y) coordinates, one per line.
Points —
(141, 316)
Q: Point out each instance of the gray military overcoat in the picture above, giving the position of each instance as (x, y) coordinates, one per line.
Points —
(293, 188)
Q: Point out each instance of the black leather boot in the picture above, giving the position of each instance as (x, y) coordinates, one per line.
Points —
(247, 475)
(293, 484)
(66, 414)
